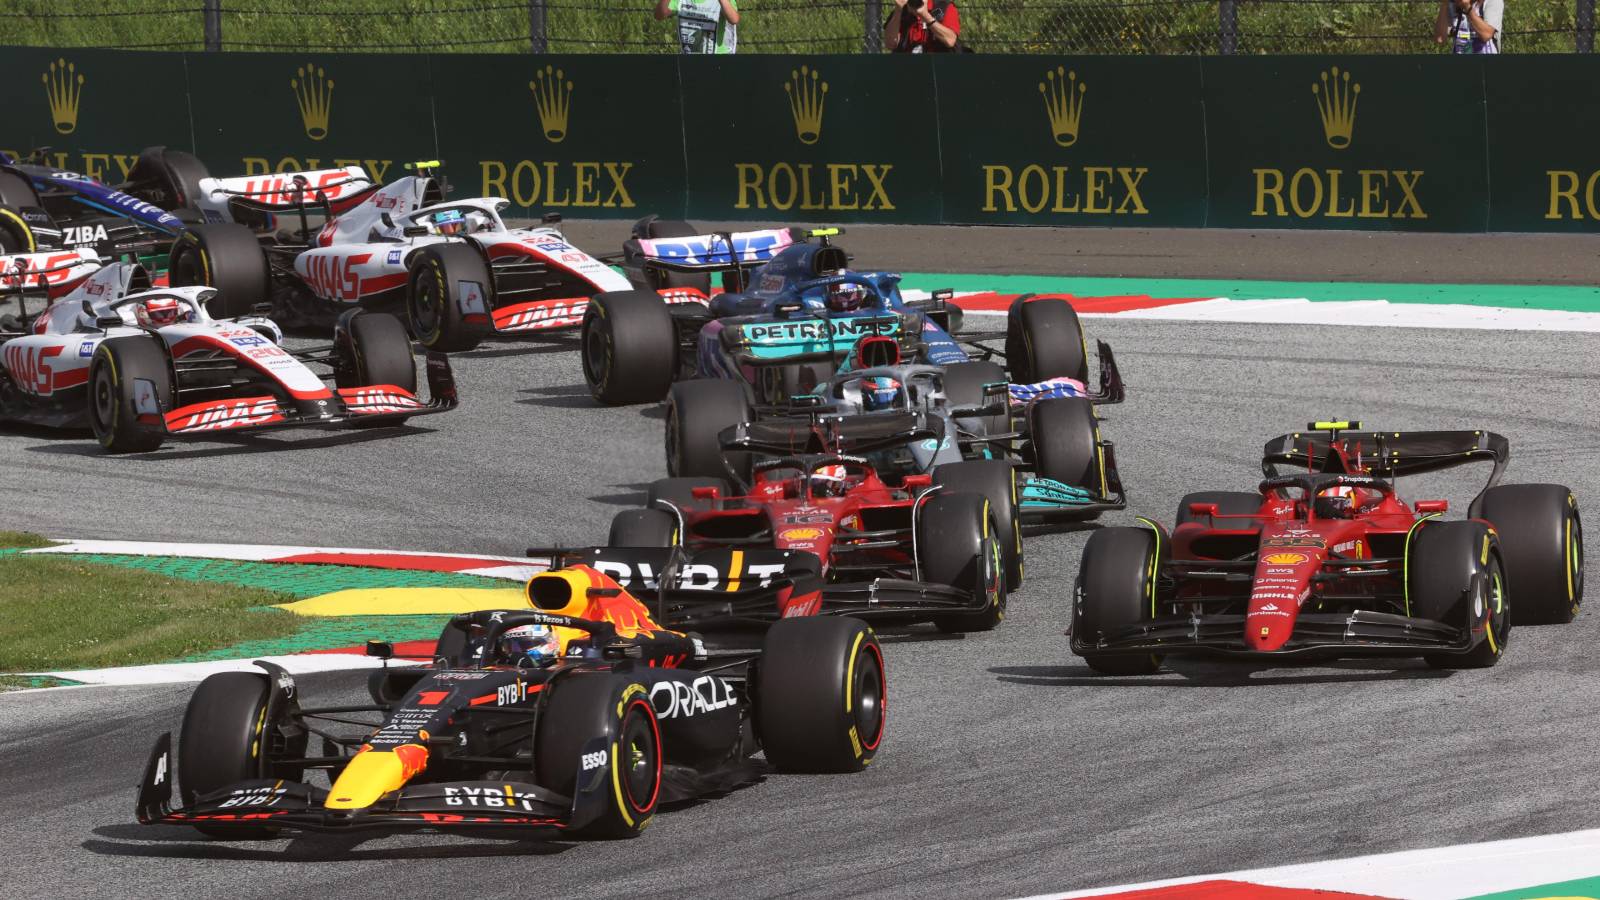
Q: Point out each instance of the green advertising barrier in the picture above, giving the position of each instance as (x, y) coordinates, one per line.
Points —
(1544, 127)
(256, 113)
(83, 106)
(1089, 140)
(1417, 143)
(577, 135)
(817, 139)
(1369, 142)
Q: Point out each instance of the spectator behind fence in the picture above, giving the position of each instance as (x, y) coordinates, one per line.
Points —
(1471, 26)
(704, 26)
(914, 27)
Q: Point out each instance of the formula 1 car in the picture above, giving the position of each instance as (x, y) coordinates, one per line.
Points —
(1331, 562)
(790, 323)
(453, 269)
(1052, 465)
(44, 207)
(915, 551)
(627, 717)
(141, 365)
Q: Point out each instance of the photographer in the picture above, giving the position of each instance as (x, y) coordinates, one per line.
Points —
(919, 26)
(704, 26)
(1471, 26)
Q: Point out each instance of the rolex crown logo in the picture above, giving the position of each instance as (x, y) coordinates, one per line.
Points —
(807, 93)
(552, 97)
(63, 87)
(1336, 102)
(1063, 102)
(313, 90)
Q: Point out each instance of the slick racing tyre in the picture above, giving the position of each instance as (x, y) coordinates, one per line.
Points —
(659, 228)
(1044, 340)
(16, 195)
(1541, 540)
(680, 491)
(226, 738)
(963, 386)
(373, 349)
(698, 412)
(643, 528)
(128, 373)
(227, 257)
(1116, 589)
(1229, 503)
(996, 480)
(959, 545)
(779, 384)
(1065, 435)
(1455, 575)
(819, 695)
(630, 347)
(448, 297)
(168, 178)
(587, 705)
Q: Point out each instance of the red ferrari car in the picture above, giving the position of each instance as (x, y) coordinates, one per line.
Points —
(1332, 561)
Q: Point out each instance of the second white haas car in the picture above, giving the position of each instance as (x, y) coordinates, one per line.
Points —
(334, 240)
(139, 365)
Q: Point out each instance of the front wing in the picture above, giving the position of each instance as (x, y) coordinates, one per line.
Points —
(881, 599)
(1359, 633)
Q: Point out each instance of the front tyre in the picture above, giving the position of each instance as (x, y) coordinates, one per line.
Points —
(224, 737)
(1455, 575)
(448, 297)
(630, 347)
(588, 705)
(958, 545)
(130, 392)
(1115, 589)
(996, 480)
(819, 698)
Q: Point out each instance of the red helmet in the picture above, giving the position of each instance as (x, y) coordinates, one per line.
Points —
(828, 481)
(159, 312)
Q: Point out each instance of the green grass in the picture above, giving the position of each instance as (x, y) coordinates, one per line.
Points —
(22, 540)
(768, 26)
(60, 613)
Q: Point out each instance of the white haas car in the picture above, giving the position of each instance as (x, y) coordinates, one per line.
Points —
(454, 270)
(140, 365)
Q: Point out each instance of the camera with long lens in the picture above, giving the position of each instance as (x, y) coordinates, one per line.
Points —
(938, 7)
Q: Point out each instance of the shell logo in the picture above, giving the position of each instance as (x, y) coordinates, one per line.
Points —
(801, 534)
(1285, 559)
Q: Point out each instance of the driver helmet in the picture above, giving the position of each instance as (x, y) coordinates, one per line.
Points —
(159, 312)
(845, 296)
(1341, 502)
(828, 481)
(535, 645)
(456, 222)
(879, 393)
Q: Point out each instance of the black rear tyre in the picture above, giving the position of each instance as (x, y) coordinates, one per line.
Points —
(643, 528)
(448, 297)
(586, 705)
(996, 480)
(1455, 576)
(1045, 340)
(125, 374)
(819, 699)
(227, 257)
(224, 733)
(1115, 589)
(168, 178)
(958, 544)
(698, 411)
(630, 347)
(1541, 540)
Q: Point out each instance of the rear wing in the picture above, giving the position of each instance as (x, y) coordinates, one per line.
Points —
(288, 190)
(1388, 453)
(710, 252)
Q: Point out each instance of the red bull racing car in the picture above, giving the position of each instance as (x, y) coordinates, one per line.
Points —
(579, 713)
(140, 365)
(1331, 561)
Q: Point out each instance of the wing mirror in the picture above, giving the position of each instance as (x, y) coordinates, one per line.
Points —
(1427, 507)
(596, 593)
(380, 649)
(704, 493)
(1202, 509)
(415, 231)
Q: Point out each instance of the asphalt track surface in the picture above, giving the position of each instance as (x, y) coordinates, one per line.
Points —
(1008, 770)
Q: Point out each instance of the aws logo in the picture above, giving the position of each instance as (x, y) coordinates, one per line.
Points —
(63, 88)
(1307, 192)
(313, 92)
(552, 98)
